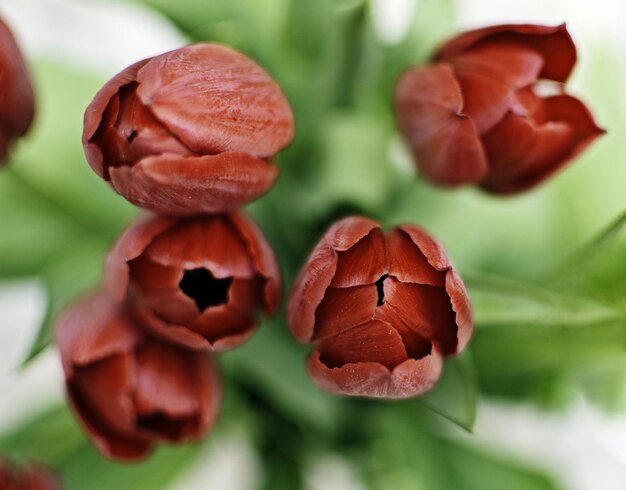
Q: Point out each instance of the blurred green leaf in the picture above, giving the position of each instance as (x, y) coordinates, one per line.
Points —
(533, 341)
(456, 394)
(59, 216)
(53, 438)
(274, 365)
(409, 453)
(74, 271)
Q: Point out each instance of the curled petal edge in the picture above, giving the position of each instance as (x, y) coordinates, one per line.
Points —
(408, 379)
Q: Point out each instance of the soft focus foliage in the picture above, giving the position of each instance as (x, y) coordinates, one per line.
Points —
(550, 313)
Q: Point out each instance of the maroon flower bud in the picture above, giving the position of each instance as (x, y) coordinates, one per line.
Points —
(197, 282)
(188, 132)
(476, 115)
(381, 308)
(17, 102)
(31, 477)
(130, 390)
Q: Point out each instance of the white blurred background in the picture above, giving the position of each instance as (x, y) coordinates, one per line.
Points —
(584, 448)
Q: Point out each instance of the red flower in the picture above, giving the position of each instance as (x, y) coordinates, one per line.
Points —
(17, 104)
(475, 116)
(31, 477)
(191, 131)
(197, 282)
(381, 308)
(129, 390)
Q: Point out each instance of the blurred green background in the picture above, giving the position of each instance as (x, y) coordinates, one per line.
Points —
(545, 270)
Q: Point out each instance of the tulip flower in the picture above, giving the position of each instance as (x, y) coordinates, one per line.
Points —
(480, 113)
(197, 282)
(129, 390)
(191, 131)
(30, 477)
(381, 308)
(17, 102)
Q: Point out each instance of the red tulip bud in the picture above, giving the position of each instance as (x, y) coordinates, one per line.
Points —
(129, 390)
(382, 309)
(477, 116)
(31, 477)
(17, 104)
(191, 131)
(197, 282)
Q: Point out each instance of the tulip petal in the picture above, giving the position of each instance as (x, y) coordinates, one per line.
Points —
(409, 379)
(263, 259)
(157, 287)
(164, 394)
(363, 263)
(431, 248)
(241, 329)
(111, 443)
(524, 153)
(344, 308)
(173, 333)
(316, 275)
(553, 43)
(189, 185)
(427, 310)
(93, 329)
(308, 290)
(128, 247)
(374, 341)
(211, 243)
(106, 386)
(96, 110)
(445, 142)
(462, 308)
(216, 99)
(407, 262)
(17, 101)
(346, 232)
(489, 75)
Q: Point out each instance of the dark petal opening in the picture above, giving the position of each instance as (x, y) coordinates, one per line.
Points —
(205, 289)
(170, 428)
(380, 290)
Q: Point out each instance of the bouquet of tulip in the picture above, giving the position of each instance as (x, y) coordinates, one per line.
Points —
(379, 346)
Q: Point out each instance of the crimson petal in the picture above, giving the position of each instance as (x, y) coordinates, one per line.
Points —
(344, 308)
(96, 110)
(216, 99)
(94, 329)
(425, 309)
(186, 185)
(408, 263)
(211, 243)
(553, 43)
(409, 379)
(316, 275)
(128, 247)
(489, 75)
(524, 153)
(374, 341)
(429, 111)
(263, 257)
(363, 263)
(17, 101)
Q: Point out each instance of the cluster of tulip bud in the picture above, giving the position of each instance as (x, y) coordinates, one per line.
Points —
(29, 477)
(191, 135)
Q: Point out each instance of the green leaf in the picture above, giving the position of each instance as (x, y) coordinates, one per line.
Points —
(53, 438)
(456, 394)
(499, 302)
(74, 271)
(409, 452)
(274, 366)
